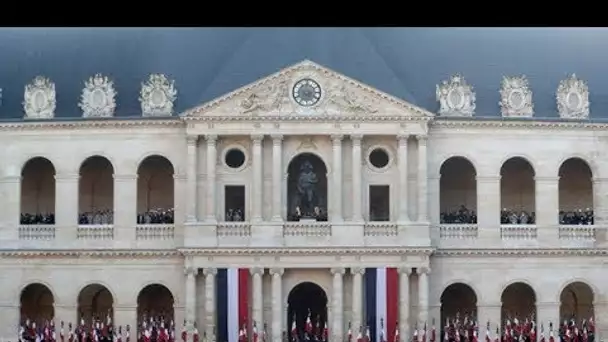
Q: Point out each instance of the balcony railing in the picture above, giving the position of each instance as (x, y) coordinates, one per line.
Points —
(45, 232)
(307, 229)
(518, 232)
(233, 229)
(95, 232)
(155, 232)
(380, 229)
(577, 232)
(458, 231)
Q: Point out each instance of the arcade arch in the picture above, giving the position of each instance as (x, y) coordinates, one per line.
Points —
(457, 300)
(156, 302)
(96, 191)
(37, 304)
(575, 192)
(95, 303)
(458, 191)
(518, 302)
(306, 187)
(38, 192)
(155, 190)
(576, 302)
(517, 192)
(306, 299)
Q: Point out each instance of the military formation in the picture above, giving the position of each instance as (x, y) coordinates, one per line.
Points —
(159, 329)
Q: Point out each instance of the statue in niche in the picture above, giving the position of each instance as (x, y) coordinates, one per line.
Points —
(307, 187)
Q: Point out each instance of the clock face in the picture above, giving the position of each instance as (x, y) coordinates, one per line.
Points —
(306, 92)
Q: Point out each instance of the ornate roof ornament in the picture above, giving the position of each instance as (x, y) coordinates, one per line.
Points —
(573, 98)
(456, 97)
(516, 97)
(157, 96)
(98, 98)
(39, 99)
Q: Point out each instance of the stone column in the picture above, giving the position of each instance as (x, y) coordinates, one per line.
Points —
(488, 208)
(211, 186)
(125, 209)
(423, 201)
(66, 205)
(258, 178)
(190, 273)
(547, 209)
(403, 189)
(423, 294)
(404, 302)
(11, 208)
(191, 176)
(356, 170)
(209, 274)
(338, 305)
(548, 312)
(357, 305)
(337, 178)
(277, 168)
(490, 312)
(257, 294)
(277, 304)
(600, 202)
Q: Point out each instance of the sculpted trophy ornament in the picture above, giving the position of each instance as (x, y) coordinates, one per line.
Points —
(516, 97)
(573, 98)
(39, 99)
(98, 97)
(157, 96)
(456, 97)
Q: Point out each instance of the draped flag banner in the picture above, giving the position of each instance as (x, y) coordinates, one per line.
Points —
(381, 301)
(232, 301)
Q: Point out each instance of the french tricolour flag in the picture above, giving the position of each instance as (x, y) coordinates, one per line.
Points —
(381, 298)
(232, 302)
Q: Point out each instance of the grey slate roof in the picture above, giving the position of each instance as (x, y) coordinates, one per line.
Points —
(207, 63)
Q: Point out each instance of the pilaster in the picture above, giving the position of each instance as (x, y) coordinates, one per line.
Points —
(11, 209)
(338, 305)
(423, 294)
(547, 209)
(356, 178)
(488, 208)
(357, 305)
(404, 302)
(422, 180)
(210, 200)
(258, 178)
(66, 206)
(403, 179)
(191, 176)
(125, 210)
(210, 274)
(337, 178)
(277, 303)
(258, 299)
(277, 166)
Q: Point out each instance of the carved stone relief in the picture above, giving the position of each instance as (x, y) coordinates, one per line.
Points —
(39, 99)
(98, 97)
(456, 97)
(516, 97)
(573, 98)
(271, 96)
(157, 96)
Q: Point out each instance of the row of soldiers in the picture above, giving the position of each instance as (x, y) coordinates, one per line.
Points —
(97, 331)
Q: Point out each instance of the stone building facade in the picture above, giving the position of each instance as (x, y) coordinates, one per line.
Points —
(393, 175)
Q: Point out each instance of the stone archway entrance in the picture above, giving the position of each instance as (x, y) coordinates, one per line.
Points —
(307, 300)
(37, 304)
(307, 188)
(95, 304)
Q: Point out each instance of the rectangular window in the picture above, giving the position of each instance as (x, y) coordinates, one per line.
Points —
(234, 205)
(379, 203)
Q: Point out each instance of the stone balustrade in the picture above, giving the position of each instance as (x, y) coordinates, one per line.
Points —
(303, 233)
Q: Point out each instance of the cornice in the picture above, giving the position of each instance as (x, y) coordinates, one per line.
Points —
(308, 118)
(306, 251)
(89, 124)
(344, 251)
(517, 124)
(521, 252)
(141, 254)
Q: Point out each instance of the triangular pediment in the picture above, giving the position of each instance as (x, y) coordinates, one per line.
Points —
(275, 95)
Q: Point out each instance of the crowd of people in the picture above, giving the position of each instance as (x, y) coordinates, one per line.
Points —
(96, 217)
(577, 217)
(37, 218)
(461, 216)
(96, 331)
(235, 215)
(156, 216)
(318, 215)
